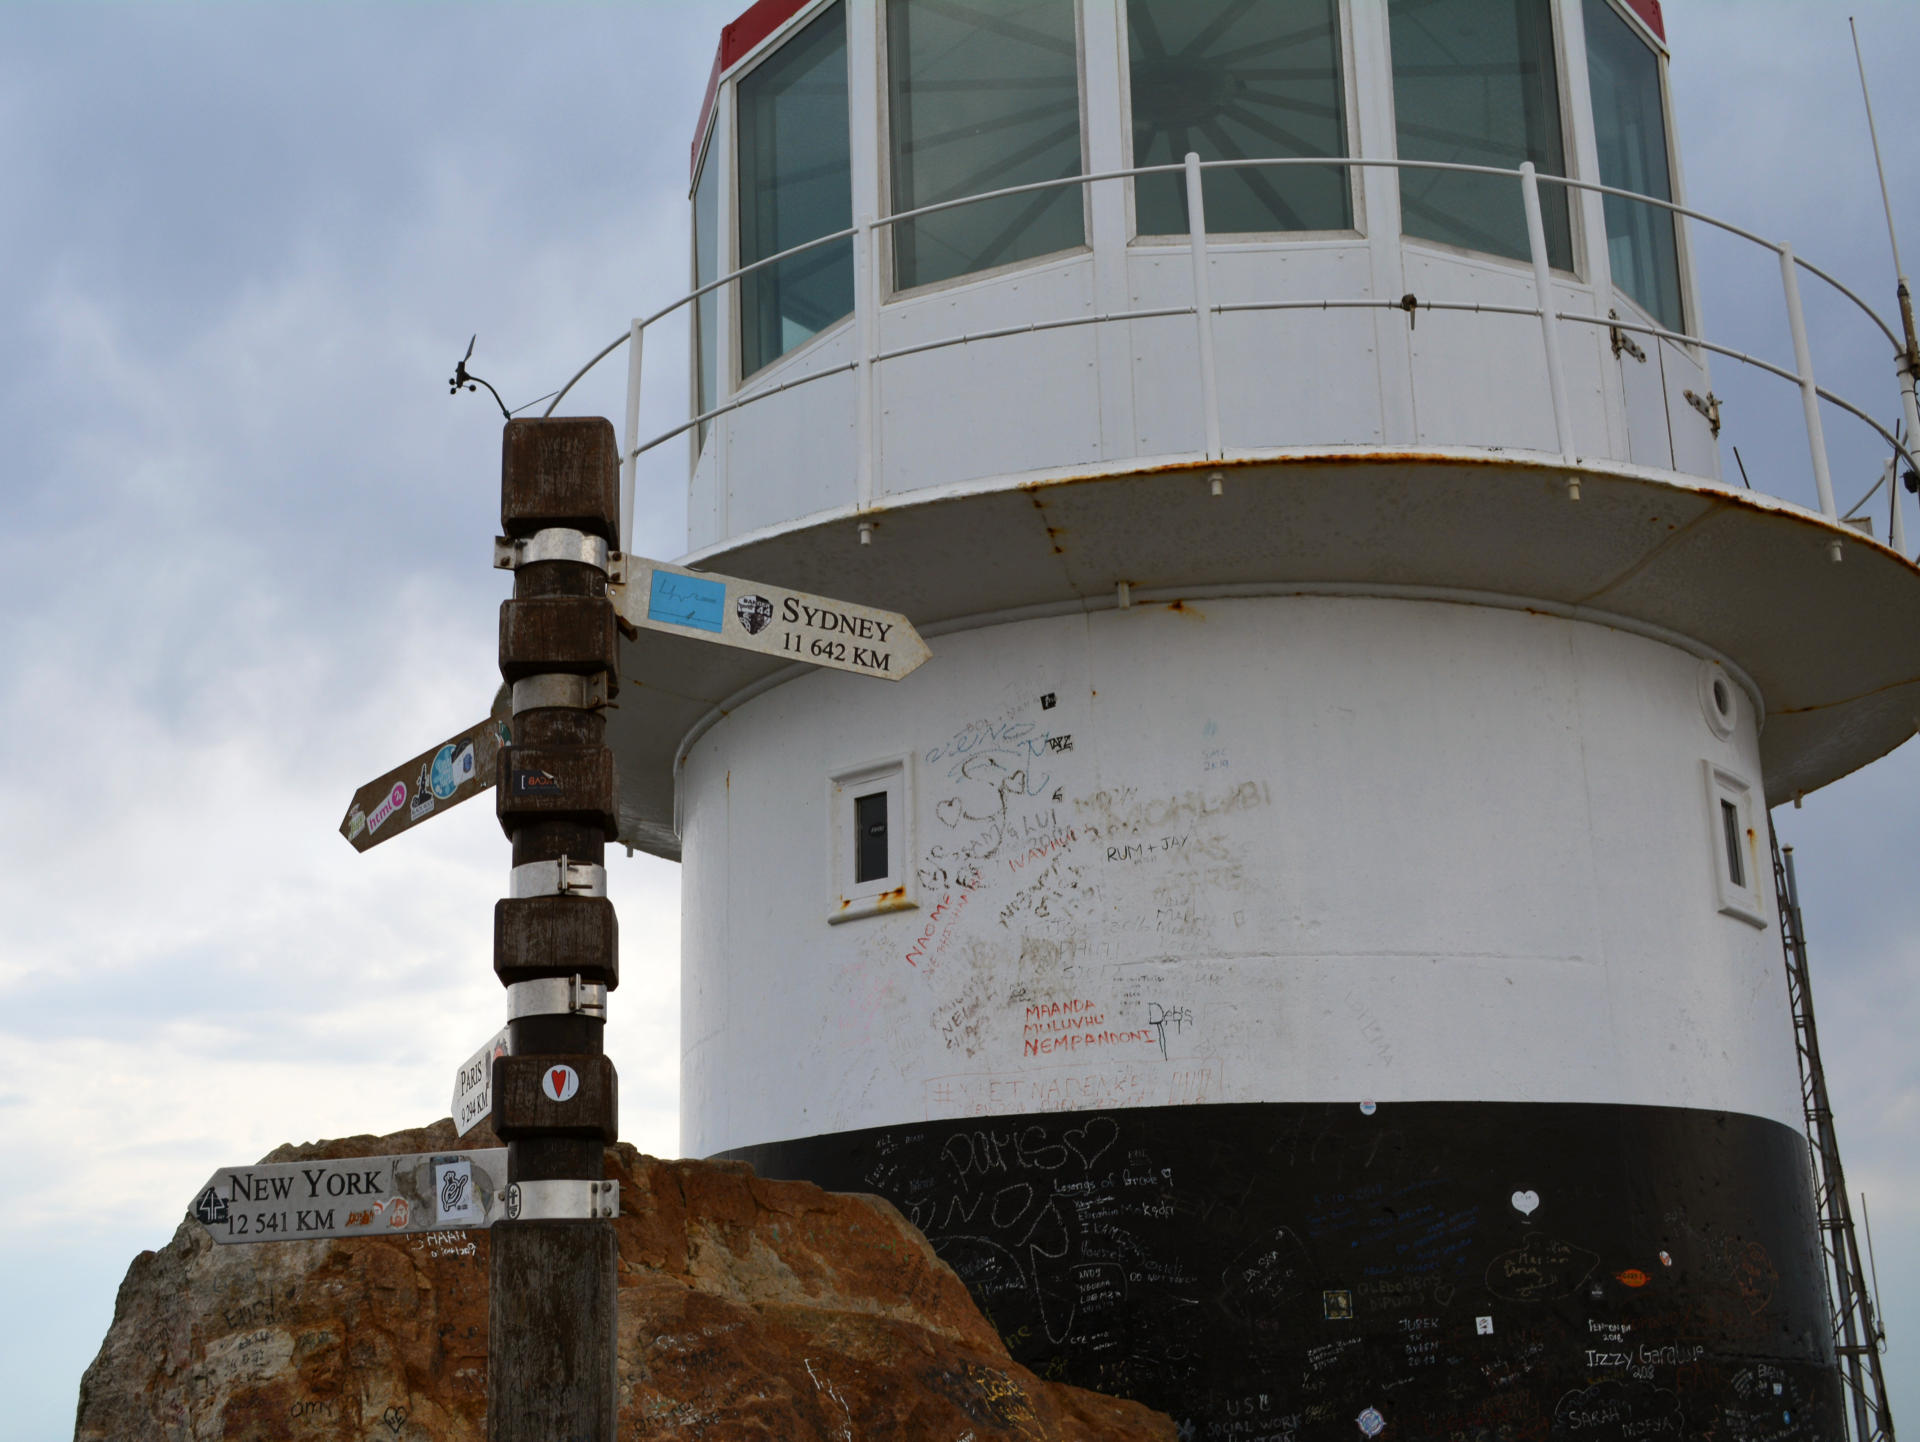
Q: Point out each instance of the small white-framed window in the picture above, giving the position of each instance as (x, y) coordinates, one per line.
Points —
(1719, 701)
(869, 814)
(1736, 845)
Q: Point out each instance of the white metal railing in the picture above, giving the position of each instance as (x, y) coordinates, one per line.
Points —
(866, 235)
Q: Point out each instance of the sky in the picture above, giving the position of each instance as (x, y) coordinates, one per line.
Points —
(241, 248)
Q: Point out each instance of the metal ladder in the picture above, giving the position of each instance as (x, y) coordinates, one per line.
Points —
(1857, 1336)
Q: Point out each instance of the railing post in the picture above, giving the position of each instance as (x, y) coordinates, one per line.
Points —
(1203, 305)
(1809, 391)
(865, 270)
(631, 436)
(1549, 326)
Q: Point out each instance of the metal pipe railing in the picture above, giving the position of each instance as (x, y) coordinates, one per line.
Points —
(1549, 331)
(1203, 306)
(870, 287)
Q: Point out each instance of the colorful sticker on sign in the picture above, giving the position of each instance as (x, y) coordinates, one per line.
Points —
(356, 823)
(560, 1083)
(755, 612)
(687, 601)
(1371, 1422)
(451, 770)
(396, 798)
(453, 1189)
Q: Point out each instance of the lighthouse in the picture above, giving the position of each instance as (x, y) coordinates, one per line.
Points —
(1304, 948)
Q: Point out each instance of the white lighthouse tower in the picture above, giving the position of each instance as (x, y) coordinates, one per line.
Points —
(1304, 948)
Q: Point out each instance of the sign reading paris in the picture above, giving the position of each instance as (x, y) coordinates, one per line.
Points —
(772, 620)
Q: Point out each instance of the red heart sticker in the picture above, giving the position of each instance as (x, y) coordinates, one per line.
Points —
(560, 1083)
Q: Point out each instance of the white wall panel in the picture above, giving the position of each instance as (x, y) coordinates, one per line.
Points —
(993, 407)
(1283, 849)
(793, 454)
(1696, 450)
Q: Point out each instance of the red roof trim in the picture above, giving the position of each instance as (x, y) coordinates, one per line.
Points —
(754, 24)
(1649, 11)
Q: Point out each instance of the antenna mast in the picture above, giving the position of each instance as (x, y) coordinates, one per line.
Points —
(1886, 202)
(1909, 364)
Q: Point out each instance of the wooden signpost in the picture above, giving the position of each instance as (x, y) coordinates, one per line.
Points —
(545, 1082)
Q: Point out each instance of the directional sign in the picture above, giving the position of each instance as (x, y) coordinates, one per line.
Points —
(354, 1197)
(473, 1085)
(770, 619)
(458, 768)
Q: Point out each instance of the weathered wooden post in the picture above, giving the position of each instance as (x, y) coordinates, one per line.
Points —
(551, 1357)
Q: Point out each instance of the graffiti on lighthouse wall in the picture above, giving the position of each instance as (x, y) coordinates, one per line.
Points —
(1063, 956)
(1454, 1269)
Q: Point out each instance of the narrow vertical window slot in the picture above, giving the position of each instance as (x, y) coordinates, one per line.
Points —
(1730, 824)
(706, 310)
(870, 837)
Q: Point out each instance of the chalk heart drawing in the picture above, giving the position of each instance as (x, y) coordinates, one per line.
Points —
(1088, 1143)
(1525, 1203)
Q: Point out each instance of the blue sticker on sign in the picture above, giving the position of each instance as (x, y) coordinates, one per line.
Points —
(687, 601)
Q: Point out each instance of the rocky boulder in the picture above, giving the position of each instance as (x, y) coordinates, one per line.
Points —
(749, 1309)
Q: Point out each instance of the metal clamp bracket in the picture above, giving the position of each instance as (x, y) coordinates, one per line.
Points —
(558, 688)
(556, 543)
(557, 996)
(564, 1200)
(558, 878)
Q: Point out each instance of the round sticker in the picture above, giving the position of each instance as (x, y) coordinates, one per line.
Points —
(440, 772)
(560, 1083)
(1367, 1108)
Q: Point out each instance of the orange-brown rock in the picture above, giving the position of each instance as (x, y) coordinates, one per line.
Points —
(749, 1309)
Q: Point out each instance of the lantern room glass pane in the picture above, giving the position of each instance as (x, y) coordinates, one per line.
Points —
(1232, 80)
(1475, 83)
(981, 96)
(706, 269)
(1630, 123)
(795, 185)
